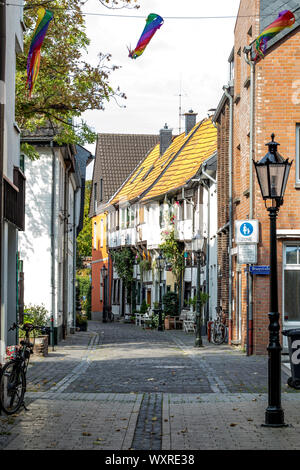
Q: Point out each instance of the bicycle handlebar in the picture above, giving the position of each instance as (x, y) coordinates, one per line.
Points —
(33, 327)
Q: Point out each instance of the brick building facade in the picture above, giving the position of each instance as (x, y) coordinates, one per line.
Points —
(276, 108)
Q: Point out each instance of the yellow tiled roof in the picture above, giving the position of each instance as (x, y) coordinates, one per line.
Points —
(192, 150)
(201, 145)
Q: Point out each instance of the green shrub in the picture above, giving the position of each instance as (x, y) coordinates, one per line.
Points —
(38, 315)
(170, 303)
(155, 321)
(144, 307)
(80, 319)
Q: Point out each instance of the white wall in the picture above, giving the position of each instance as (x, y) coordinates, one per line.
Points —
(35, 242)
(14, 44)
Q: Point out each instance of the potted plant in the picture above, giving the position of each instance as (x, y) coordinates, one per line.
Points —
(38, 315)
(170, 303)
(81, 322)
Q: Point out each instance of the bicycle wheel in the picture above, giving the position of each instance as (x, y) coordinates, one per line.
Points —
(219, 333)
(12, 387)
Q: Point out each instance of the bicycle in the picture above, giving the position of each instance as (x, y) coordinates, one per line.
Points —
(218, 334)
(13, 374)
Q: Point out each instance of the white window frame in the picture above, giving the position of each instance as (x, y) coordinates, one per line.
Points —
(95, 235)
(289, 267)
(298, 153)
(101, 233)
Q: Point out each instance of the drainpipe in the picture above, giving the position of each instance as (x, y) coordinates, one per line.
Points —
(65, 255)
(214, 181)
(2, 125)
(247, 50)
(230, 155)
(52, 236)
(74, 257)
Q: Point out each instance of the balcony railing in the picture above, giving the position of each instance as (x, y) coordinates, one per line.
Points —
(14, 199)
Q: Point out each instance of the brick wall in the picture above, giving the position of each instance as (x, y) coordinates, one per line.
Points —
(223, 206)
(276, 110)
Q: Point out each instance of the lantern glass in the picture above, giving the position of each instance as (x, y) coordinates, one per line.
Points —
(160, 262)
(198, 243)
(272, 178)
(104, 272)
(272, 173)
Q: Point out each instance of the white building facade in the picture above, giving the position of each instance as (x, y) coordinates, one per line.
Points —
(48, 246)
(11, 176)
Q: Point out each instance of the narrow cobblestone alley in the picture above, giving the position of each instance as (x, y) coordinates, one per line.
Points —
(118, 386)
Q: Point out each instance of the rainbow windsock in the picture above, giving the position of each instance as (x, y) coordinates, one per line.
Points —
(34, 55)
(285, 19)
(153, 23)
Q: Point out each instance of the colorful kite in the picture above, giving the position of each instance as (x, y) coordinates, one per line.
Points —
(285, 19)
(34, 55)
(153, 23)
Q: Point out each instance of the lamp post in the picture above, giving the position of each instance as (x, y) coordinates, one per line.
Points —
(197, 245)
(272, 173)
(104, 276)
(160, 261)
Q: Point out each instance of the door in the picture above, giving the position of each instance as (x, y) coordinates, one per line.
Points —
(291, 288)
(149, 297)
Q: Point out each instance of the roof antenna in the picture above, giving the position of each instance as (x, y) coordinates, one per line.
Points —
(180, 108)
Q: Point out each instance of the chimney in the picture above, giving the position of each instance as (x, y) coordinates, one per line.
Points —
(190, 121)
(165, 138)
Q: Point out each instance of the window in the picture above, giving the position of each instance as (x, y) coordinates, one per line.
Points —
(95, 235)
(147, 172)
(123, 218)
(130, 216)
(188, 209)
(95, 197)
(101, 189)
(138, 173)
(116, 292)
(101, 233)
(298, 153)
(291, 283)
(179, 211)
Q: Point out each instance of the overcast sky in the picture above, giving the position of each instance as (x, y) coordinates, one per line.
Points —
(193, 52)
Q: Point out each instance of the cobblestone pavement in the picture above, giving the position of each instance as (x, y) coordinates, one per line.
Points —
(118, 386)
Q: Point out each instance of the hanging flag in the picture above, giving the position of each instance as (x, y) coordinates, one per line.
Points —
(34, 55)
(153, 23)
(285, 19)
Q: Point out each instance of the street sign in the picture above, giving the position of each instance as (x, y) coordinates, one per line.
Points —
(247, 253)
(246, 231)
(264, 270)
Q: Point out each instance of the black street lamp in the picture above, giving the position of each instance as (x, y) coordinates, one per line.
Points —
(104, 276)
(197, 245)
(272, 174)
(160, 262)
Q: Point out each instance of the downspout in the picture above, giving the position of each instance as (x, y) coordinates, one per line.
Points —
(2, 129)
(52, 236)
(65, 255)
(74, 258)
(230, 155)
(247, 50)
(208, 232)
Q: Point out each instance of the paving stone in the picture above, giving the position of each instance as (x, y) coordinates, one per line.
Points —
(118, 386)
